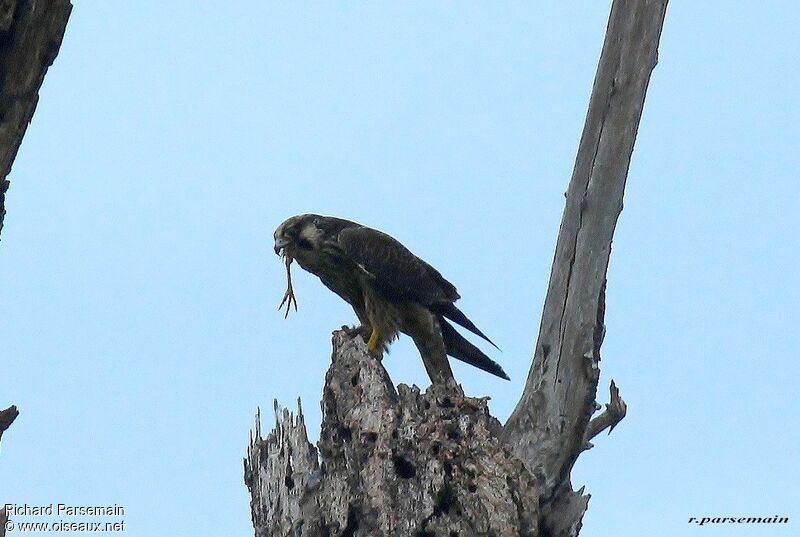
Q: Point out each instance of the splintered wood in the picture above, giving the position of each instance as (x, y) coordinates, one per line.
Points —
(390, 462)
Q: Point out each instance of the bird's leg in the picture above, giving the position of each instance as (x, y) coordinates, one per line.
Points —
(427, 335)
(374, 340)
(288, 296)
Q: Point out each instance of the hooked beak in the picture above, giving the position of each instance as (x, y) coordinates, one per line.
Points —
(280, 244)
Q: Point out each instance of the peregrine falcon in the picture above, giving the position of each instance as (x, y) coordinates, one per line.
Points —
(390, 289)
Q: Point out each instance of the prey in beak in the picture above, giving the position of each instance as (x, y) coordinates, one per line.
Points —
(288, 296)
(280, 245)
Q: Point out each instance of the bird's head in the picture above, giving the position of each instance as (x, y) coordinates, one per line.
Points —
(297, 234)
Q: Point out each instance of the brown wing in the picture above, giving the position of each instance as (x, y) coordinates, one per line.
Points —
(399, 274)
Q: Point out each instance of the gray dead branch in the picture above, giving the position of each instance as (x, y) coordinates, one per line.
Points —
(30, 37)
(548, 428)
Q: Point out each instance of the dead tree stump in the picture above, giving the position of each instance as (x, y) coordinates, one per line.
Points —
(393, 462)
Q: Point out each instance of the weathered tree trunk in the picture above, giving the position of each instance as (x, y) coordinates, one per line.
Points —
(30, 37)
(436, 463)
(393, 463)
(550, 426)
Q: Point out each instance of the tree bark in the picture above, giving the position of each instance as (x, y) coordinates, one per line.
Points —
(30, 37)
(393, 462)
(436, 463)
(549, 428)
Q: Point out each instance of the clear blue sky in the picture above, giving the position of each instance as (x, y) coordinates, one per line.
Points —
(138, 286)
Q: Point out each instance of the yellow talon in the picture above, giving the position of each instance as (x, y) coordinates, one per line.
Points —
(372, 344)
